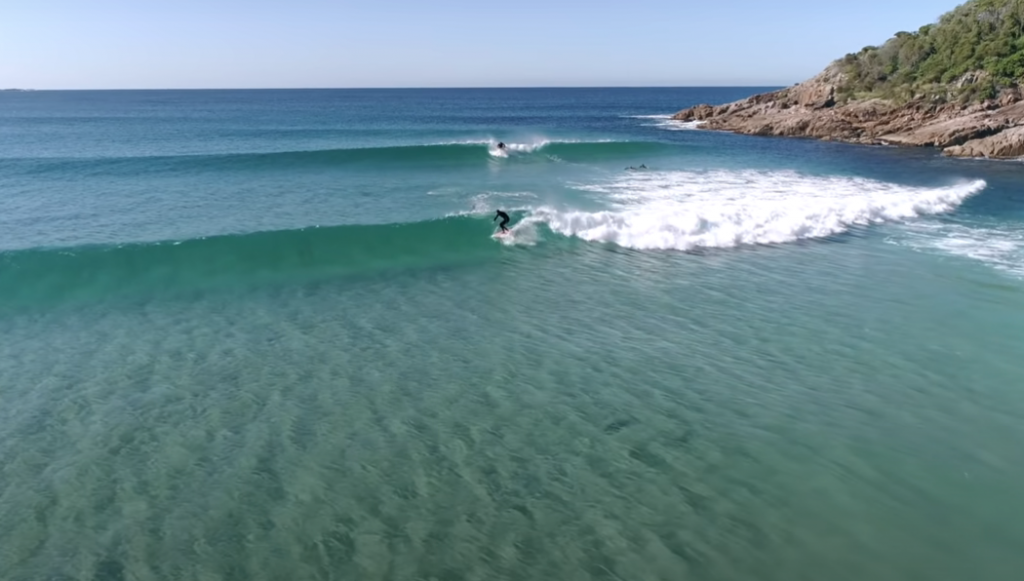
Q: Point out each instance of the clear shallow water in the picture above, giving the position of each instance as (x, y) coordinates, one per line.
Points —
(263, 335)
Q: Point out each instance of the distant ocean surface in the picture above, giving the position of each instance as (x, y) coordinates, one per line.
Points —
(265, 335)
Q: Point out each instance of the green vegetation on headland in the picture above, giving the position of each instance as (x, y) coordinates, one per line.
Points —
(982, 37)
(956, 85)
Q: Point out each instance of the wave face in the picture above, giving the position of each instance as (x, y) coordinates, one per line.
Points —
(439, 155)
(720, 209)
(48, 276)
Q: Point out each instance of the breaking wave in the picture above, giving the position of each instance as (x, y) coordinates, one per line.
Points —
(720, 209)
(678, 210)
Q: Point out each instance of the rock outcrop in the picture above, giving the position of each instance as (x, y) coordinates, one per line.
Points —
(1006, 144)
(992, 128)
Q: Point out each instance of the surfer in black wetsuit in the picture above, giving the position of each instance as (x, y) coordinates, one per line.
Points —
(504, 220)
(501, 145)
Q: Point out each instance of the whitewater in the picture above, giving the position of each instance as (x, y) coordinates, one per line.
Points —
(687, 210)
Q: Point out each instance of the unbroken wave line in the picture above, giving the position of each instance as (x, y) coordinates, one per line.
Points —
(46, 276)
(436, 155)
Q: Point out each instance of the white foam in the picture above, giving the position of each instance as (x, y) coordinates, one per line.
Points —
(531, 147)
(492, 145)
(523, 233)
(665, 121)
(524, 147)
(673, 125)
(684, 210)
(999, 247)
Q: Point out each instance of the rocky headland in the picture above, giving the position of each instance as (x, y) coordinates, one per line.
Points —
(907, 92)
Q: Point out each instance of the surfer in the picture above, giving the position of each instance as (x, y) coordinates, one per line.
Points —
(504, 220)
(501, 145)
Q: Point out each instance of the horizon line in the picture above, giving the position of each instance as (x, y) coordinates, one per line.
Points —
(451, 88)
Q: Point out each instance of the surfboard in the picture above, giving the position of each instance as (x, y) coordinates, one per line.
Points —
(500, 234)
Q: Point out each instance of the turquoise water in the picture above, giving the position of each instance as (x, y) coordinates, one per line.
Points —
(267, 335)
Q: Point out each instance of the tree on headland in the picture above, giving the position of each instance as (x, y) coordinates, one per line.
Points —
(975, 50)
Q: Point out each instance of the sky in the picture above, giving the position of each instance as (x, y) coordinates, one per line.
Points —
(160, 44)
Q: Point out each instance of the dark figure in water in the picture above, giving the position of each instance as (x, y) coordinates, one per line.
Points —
(501, 145)
(504, 220)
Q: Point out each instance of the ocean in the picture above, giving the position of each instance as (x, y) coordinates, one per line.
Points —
(263, 335)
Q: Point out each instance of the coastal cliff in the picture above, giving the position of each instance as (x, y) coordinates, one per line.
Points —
(955, 85)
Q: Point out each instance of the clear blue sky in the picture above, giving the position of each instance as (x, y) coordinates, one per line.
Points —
(100, 44)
